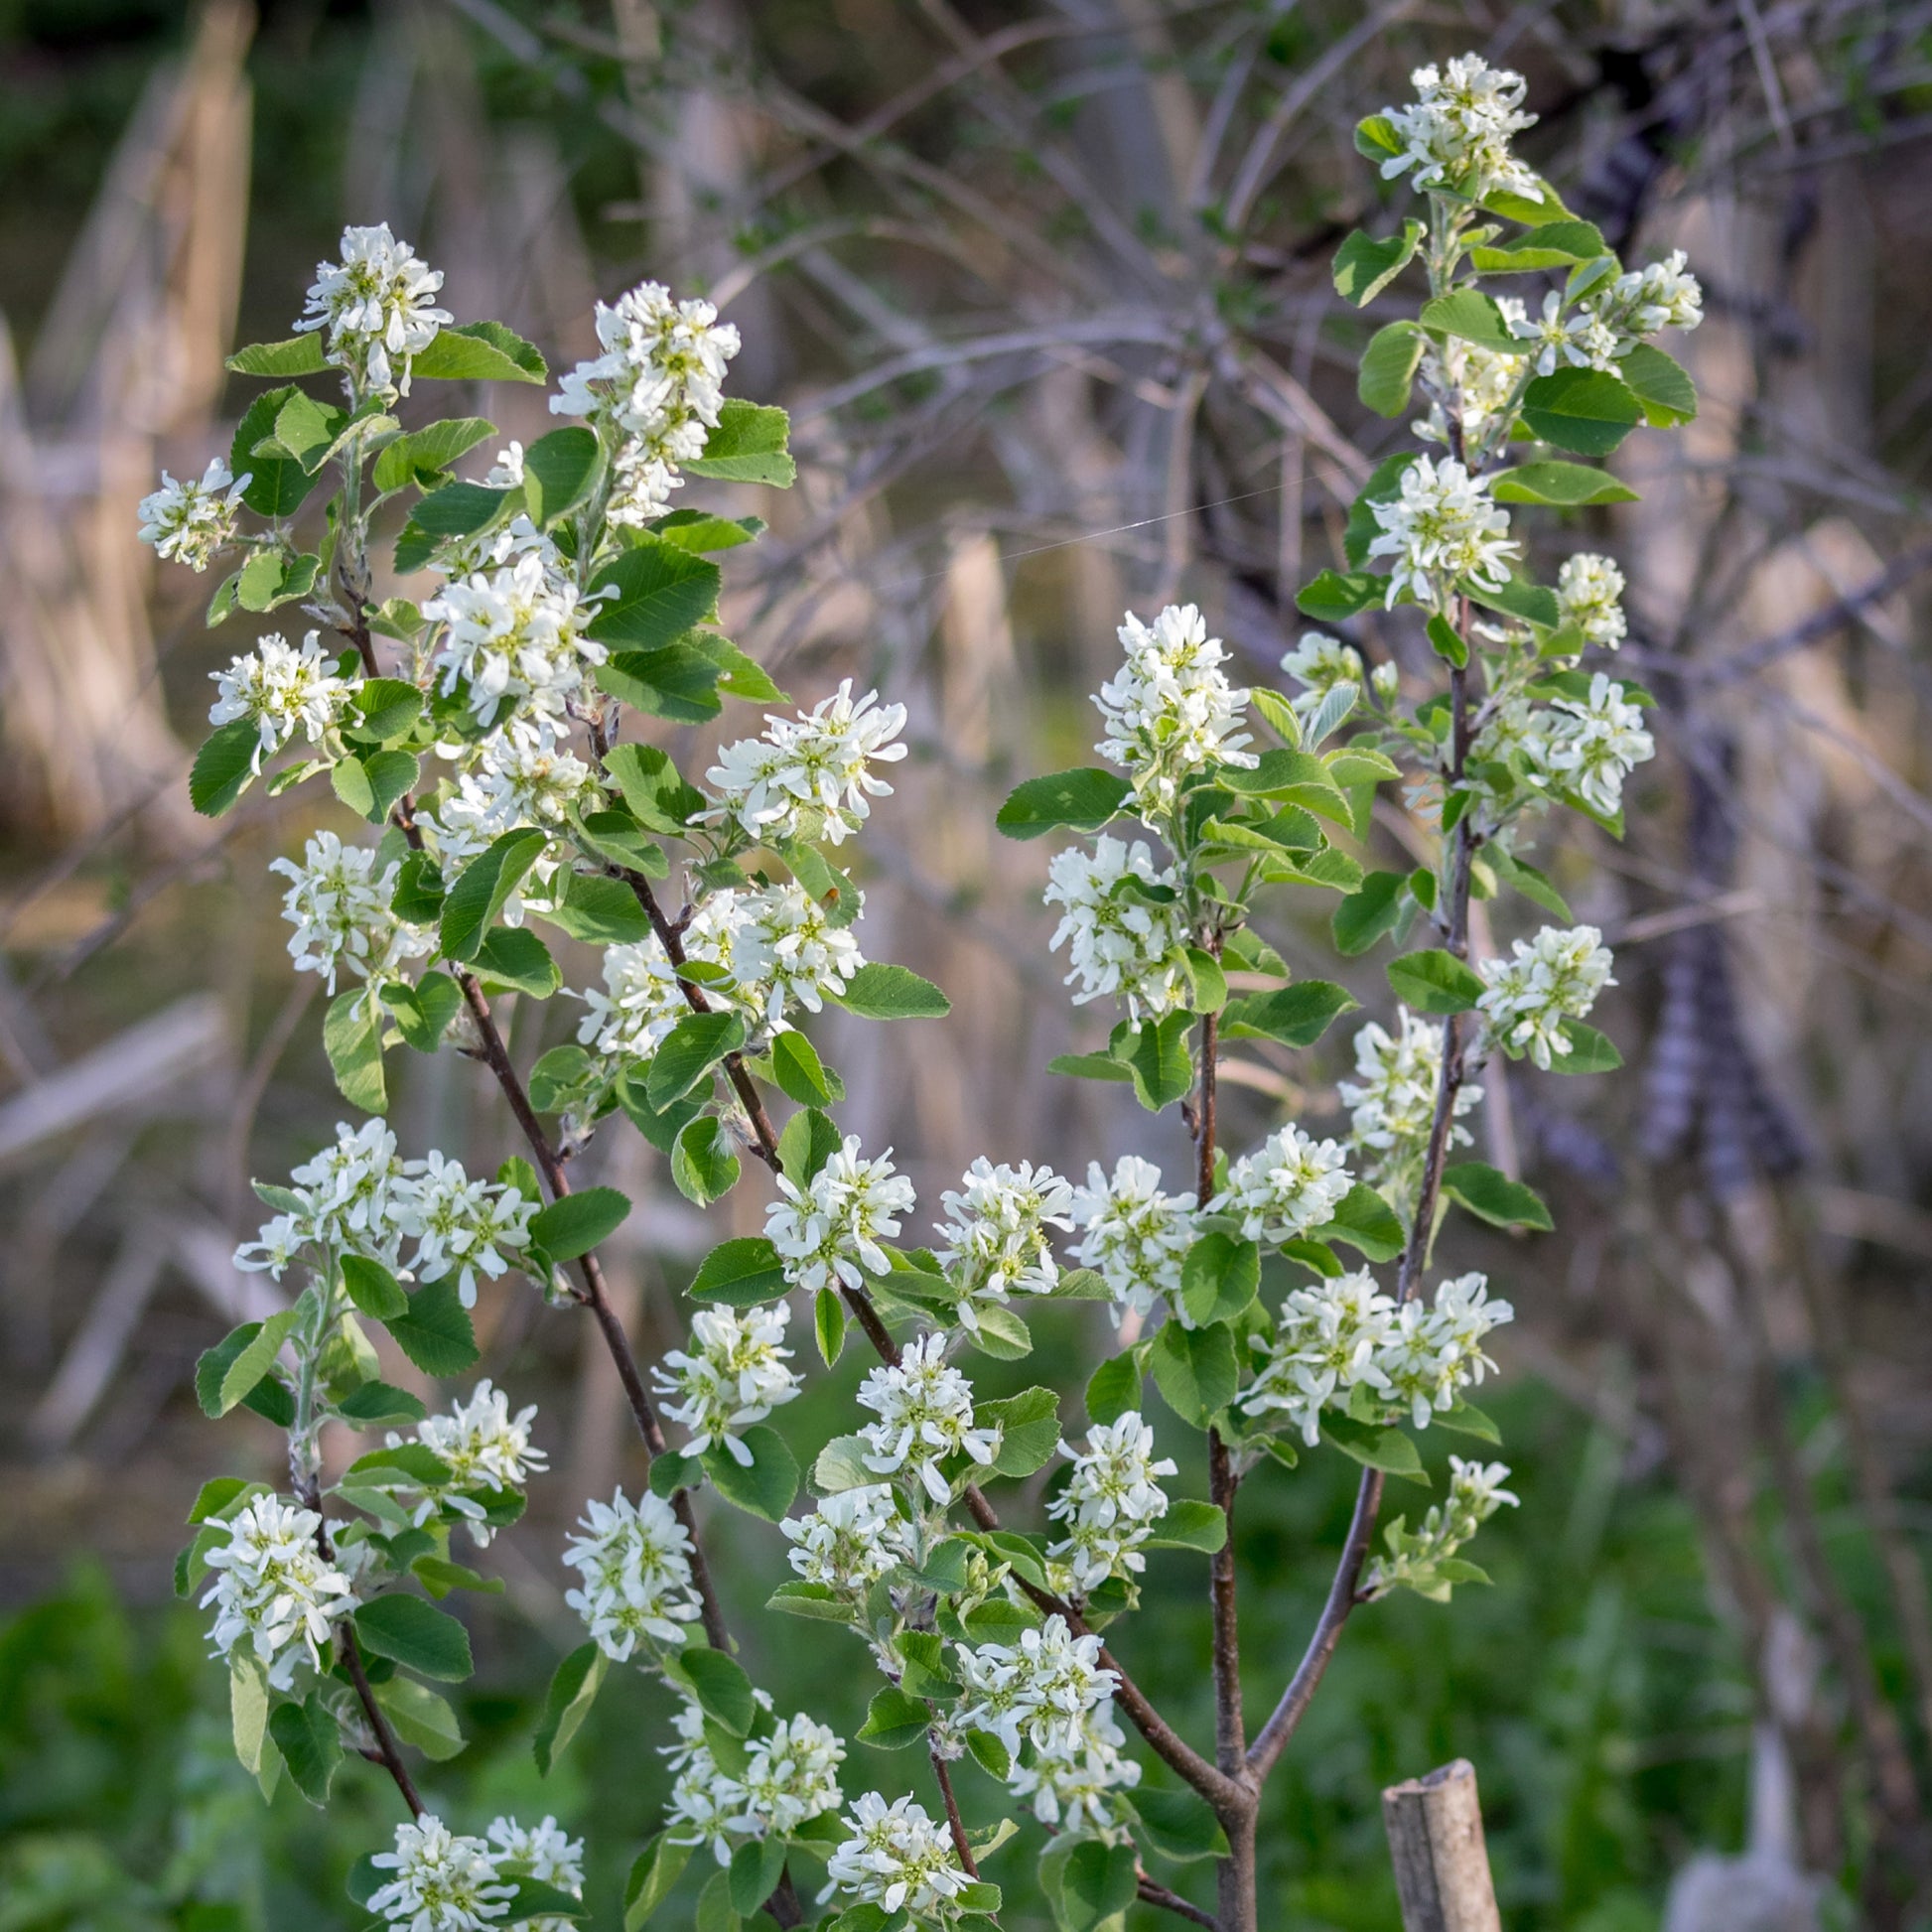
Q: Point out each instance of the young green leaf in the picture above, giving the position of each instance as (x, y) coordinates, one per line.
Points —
(1493, 1197)
(1364, 1220)
(879, 991)
(480, 352)
(767, 1485)
(573, 1224)
(1661, 384)
(654, 1875)
(1589, 1052)
(1297, 1016)
(1114, 1388)
(1336, 595)
(416, 1635)
(483, 887)
(1084, 799)
(894, 1721)
(662, 592)
(1472, 317)
(1364, 267)
(1160, 1060)
(1191, 1526)
(688, 1052)
(1029, 1426)
(1196, 1370)
(558, 472)
(748, 445)
(1387, 1449)
(1219, 1276)
(801, 1073)
(739, 1274)
(574, 1686)
(1389, 366)
(1582, 410)
(311, 1742)
(719, 1684)
(372, 1288)
(1433, 981)
(702, 1165)
(1569, 485)
(828, 1325)
(224, 766)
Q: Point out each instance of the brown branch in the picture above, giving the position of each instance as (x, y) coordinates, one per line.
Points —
(1151, 1893)
(954, 1823)
(387, 1749)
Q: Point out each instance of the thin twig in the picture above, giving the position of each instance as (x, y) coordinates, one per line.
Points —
(954, 1823)
(1151, 1893)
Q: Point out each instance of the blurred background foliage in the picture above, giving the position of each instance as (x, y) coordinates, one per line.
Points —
(1045, 286)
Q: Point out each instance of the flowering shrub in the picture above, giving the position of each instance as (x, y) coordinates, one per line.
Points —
(478, 733)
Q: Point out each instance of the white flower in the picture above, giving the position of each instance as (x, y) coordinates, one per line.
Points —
(1386, 681)
(850, 1540)
(1476, 1492)
(1290, 1183)
(443, 1882)
(339, 906)
(734, 1376)
(809, 776)
(460, 1223)
(376, 303)
(1663, 296)
(1485, 381)
(1170, 711)
(274, 1592)
(1318, 663)
(284, 690)
(1325, 1343)
(637, 1569)
(545, 1853)
(506, 472)
(523, 775)
(642, 999)
(1589, 591)
(497, 544)
(653, 395)
(1597, 743)
(1555, 977)
(1130, 1233)
(1124, 925)
(346, 1200)
(790, 1776)
(1560, 342)
(786, 951)
(1392, 1099)
(191, 521)
(485, 1447)
(1440, 529)
(1038, 1690)
(897, 1859)
(995, 1232)
(926, 1414)
(828, 1231)
(1431, 1355)
(1456, 135)
(1070, 1782)
(516, 632)
(1109, 1503)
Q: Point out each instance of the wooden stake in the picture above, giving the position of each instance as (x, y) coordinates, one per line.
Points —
(1442, 1869)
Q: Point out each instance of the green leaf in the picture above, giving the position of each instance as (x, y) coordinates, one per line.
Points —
(883, 992)
(738, 675)
(1590, 1050)
(654, 1876)
(1373, 909)
(352, 1036)
(600, 911)
(277, 485)
(216, 1494)
(425, 456)
(1160, 1060)
(417, 897)
(894, 1721)
(252, 1361)
(1376, 137)
(748, 445)
(1114, 1388)
(701, 530)
(818, 1601)
(267, 1397)
(1582, 410)
(1297, 1016)
(574, 1686)
(1191, 1526)
(480, 352)
(375, 1404)
(311, 1743)
(1001, 1334)
(558, 470)
(420, 1718)
(1472, 317)
(809, 1140)
(1196, 1370)
(1300, 777)
(1088, 1067)
(1389, 364)
(800, 1074)
(573, 1224)
(1519, 597)
(296, 355)
(456, 510)
(1514, 207)
(1097, 1884)
(223, 767)
(532, 1900)
(720, 1684)
(513, 959)
(676, 681)
(1029, 1426)
(1366, 1222)
(271, 578)
(1529, 882)
(385, 708)
(662, 591)
(435, 1333)
(1662, 386)
(1178, 1825)
(739, 1274)
(828, 1325)
(1447, 641)
(756, 1868)
(483, 887)
(990, 1754)
(1433, 981)
(688, 1052)
(373, 1289)
(617, 837)
(1219, 1277)
(1467, 1420)
(1335, 596)
(1493, 1197)
(557, 1077)
(1387, 1449)
(1569, 485)
(702, 1165)
(411, 1464)
(1209, 981)
(653, 788)
(248, 1708)
(371, 783)
(1364, 267)
(766, 1487)
(1552, 244)
(1084, 799)
(416, 1635)
(841, 1466)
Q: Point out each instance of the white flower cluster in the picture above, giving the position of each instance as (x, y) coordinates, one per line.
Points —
(1416, 1557)
(1290, 1183)
(926, 1414)
(849, 1541)
(1573, 339)
(995, 1233)
(460, 1223)
(485, 1448)
(1170, 711)
(791, 1775)
(444, 1882)
(190, 522)
(339, 906)
(701, 1806)
(1552, 978)
(1109, 1503)
(1597, 742)
(1132, 1234)
(376, 303)
(1036, 1690)
(653, 395)
(543, 1852)
(1457, 131)
(1590, 592)
(520, 775)
(516, 632)
(1341, 1332)
(828, 1231)
(275, 1593)
(1392, 1099)
(1070, 1783)
(1319, 664)
(898, 1859)
(636, 1563)
(809, 776)
(1440, 529)
(1665, 295)
(642, 1000)
(1125, 927)
(284, 690)
(786, 952)
(732, 1376)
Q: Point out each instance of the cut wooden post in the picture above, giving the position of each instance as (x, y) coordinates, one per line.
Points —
(1442, 1867)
